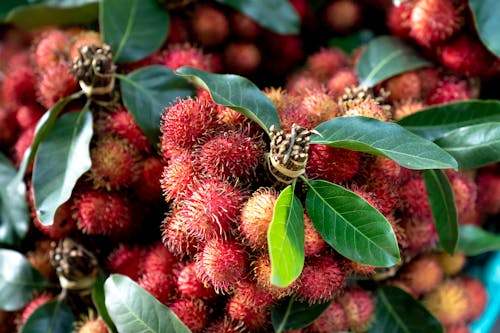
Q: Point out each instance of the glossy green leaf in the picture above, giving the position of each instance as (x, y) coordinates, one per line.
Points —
(62, 157)
(285, 238)
(436, 121)
(351, 225)
(473, 146)
(18, 280)
(135, 310)
(237, 93)
(293, 315)
(475, 240)
(443, 208)
(147, 91)
(14, 213)
(398, 312)
(351, 42)
(385, 139)
(486, 14)
(384, 57)
(99, 298)
(276, 15)
(52, 317)
(133, 28)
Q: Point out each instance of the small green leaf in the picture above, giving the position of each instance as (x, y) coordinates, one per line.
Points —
(276, 15)
(285, 238)
(147, 91)
(135, 310)
(351, 225)
(443, 208)
(486, 14)
(133, 28)
(436, 121)
(475, 240)
(351, 42)
(18, 280)
(52, 317)
(398, 312)
(384, 57)
(98, 298)
(293, 315)
(14, 213)
(383, 138)
(473, 146)
(63, 156)
(237, 93)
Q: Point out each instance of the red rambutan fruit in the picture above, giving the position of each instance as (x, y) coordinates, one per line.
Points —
(419, 234)
(422, 274)
(81, 39)
(23, 142)
(464, 193)
(244, 27)
(459, 328)
(262, 275)
(52, 49)
(406, 107)
(8, 127)
(34, 304)
(190, 284)
(242, 58)
(324, 63)
(92, 325)
(429, 77)
(179, 55)
(448, 302)
(28, 115)
(333, 319)
(403, 86)
(289, 49)
(299, 84)
(488, 189)
(343, 78)
(18, 86)
(359, 307)
(179, 30)
(160, 285)
(63, 223)
(210, 25)
(301, 7)
(159, 259)
(414, 199)
(192, 312)
(147, 179)
(343, 16)
(384, 193)
(280, 98)
(434, 21)
(335, 165)
(448, 90)
(398, 19)
(452, 264)
(357, 268)
(477, 296)
(179, 177)
(321, 280)
(313, 242)
(176, 237)
(321, 106)
(225, 325)
(127, 260)
(54, 83)
(295, 114)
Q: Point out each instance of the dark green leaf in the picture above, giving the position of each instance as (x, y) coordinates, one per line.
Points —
(293, 315)
(473, 146)
(383, 138)
(386, 56)
(398, 312)
(62, 157)
(14, 213)
(486, 14)
(8, 5)
(134, 310)
(350, 42)
(18, 280)
(237, 93)
(52, 317)
(443, 208)
(98, 298)
(285, 238)
(438, 120)
(351, 225)
(147, 91)
(475, 240)
(276, 15)
(133, 28)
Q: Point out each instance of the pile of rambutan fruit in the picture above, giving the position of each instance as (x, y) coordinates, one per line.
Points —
(248, 166)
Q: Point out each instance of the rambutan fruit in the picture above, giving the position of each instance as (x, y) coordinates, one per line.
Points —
(242, 58)
(159, 259)
(343, 16)
(448, 90)
(34, 304)
(398, 19)
(477, 296)
(357, 268)
(210, 25)
(262, 275)
(359, 307)
(434, 21)
(406, 107)
(225, 325)
(92, 325)
(280, 98)
(419, 234)
(40, 260)
(422, 274)
(358, 101)
(301, 7)
(127, 260)
(243, 26)
(192, 312)
(464, 193)
(147, 179)
(488, 189)
(335, 165)
(52, 49)
(300, 83)
(333, 319)
(452, 264)
(414, 199)
(62, 225)
(176, 237)
(81, 39)
(9, 127)
(190, 284)
(223, 264)
(160, 285)
(320, 105)
(403, 86)
(313, 242)
(325, 62)
(343, 78)
(23, 142)
(54, 83)
(289, 49)
(179, 30)
(178, 55)
(459, 328)
(18, 87)
(321, 280)
(295, 114)
(449, 302)
(179, 177)
(27, 116)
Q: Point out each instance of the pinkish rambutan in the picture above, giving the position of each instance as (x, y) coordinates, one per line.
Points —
(23, 142)
(406, 107)
(159, 259)
(324, 63)
(313, 242)
(452, 264)
(176, 237)
(422, 274)
(280, 98)
(343, 16)
(366, 108)
(8, 126)
(320, 105)
(179, 55)
(333, 319)
(398, 19)
(295, 114)
(52, 49)
(359, 307)
(209, 25)
(54, 83)
(192, 312)
(417, 234)
(34, 304)
(385, 191)
(190, 284)
(28, 115)
(243, 26)
(488, 189)
(414, 199)
(357, 268)
(63, 223)
(458, 328)
(300, 83)
(127, 260)
(448, 90)
(403, 86)
(448, 302)
(18, 87)
(147, 179)
(335, 165)
(160, 285)
(262, 275)
(81, 39)
(464, 193)
(225, 325)
(343, 78)
(92, 325)
(179, 177)
(477, 296)
(242, 58)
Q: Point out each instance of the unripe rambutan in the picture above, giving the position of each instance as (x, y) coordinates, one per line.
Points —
(343, 16)
(160, 285)
(223, 264)
(179, 177)
(262, 275)
(406, 107)
(147, 180)
(127, 260)
(488, 188)
(192, 312)
(422, 274)
(244, 27)
(434, 21)
(52, 49)
(414, 199)
(34, 304)
(210, 25)
(250, 305)
(27, 116)
(55, 82)
(333, 319)
(63, 223)
(448, 90)
(84, 38)
(343, 78)
(175, 235)
(398, 19)
(159, 259)
(8, 126)
(359, 307)
(18, 87)
(335, 165)
(190, 284)
(242, 58)
(403, 86)
(477, 297)
(452, 263)
(324, 63)
(179, 55)
(225, 325)
(97, 325)
(321, 280)
(313, 242)
(320, 105)
(448, 302)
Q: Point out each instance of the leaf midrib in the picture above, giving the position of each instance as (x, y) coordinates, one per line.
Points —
(379, 67)
(128, 30)
(394, 314)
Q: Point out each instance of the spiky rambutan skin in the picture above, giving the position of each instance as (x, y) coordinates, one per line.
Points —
(159, 259)
(448, 302)
(184, 124)
(320, 105)
(262, 275)
(313, 242)
(189, 284)
(52, 49)
(488, 188)
(27, 116)
(295, 114)
(223, 264)
(422, 274)
(434, 21)
(97, 325)
(23, 142)
(398, 19)
(367, 108)
(243, 26)
(464, 193)
(477, 296)
(414, 199)
(333, 319)
(280, 97)
(460, 328)
(160, 285)
(81, 39)
(321, 280)
(403, 86)
(179, 177)
(225, 325)
(192, 312)
(406, 107)
(9, 127)
(176, 237)
(335, 165)
(18, 86)
(300, 83)
(452, 264)
(419, 234)
(54, 83)
(147, 179)
(34, 304)
(179, 55)
(63, 224)
(127, 260)
(324, 63)
(359, 307)
(343, 16)
(210, 26)
(448, 90)
(357, 268)
(242, 58)
(343, 78)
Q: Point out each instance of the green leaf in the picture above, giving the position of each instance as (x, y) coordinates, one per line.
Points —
(18, 280)
(351, 225)
(285, 238)
(133, 28)
(351, 42)
(376, 137)
(147, 91)
(486, 14)
(443, 208)
(14, 213)
(475, 240)
(293, 315)
(398, 312)
(98, 298)
(63, 156)
(52, 317)
(438, 120)
(237, 93)
(135, 310)
(384, 57)
(276, 15)
(473, 146)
